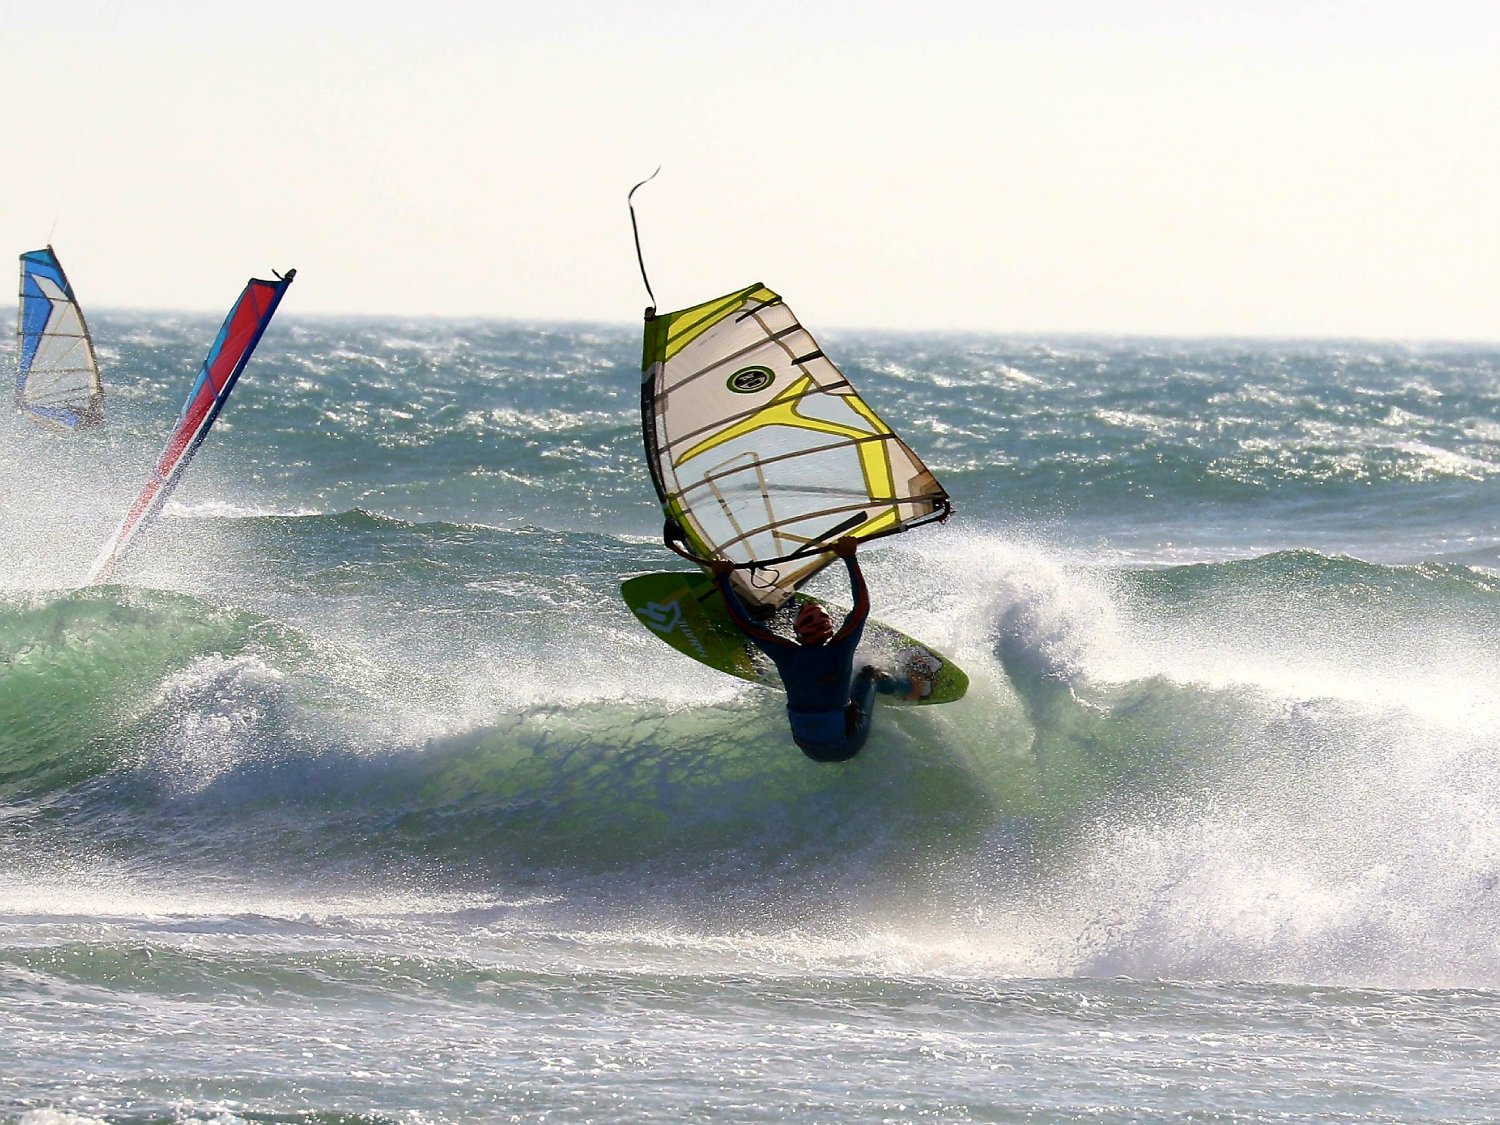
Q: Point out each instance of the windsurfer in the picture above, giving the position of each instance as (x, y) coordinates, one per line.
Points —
(829, 714)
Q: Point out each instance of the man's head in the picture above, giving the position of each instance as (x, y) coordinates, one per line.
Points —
(813, 625)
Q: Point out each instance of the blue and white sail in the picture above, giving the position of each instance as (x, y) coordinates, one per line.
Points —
(57, 373)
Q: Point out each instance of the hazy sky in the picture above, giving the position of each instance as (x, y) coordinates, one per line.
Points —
(1135, 166)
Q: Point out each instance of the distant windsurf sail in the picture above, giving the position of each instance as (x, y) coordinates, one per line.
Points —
(227, 358)
(761, 450)
(57, 375)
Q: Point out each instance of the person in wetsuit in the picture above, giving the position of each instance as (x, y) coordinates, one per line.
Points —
(829, 715)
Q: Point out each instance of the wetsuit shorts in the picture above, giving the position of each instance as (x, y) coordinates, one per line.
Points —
(835, 736)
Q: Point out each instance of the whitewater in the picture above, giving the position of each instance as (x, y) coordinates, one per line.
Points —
(361, 797)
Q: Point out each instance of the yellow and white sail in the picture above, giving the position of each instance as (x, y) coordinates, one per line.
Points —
(761, 450)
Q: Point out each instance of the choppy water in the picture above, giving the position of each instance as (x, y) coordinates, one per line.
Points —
(364, 798)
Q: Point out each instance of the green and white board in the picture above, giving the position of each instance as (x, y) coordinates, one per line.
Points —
(686, 610)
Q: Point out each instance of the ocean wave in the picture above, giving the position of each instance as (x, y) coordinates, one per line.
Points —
(1092, 690)
(383, 649)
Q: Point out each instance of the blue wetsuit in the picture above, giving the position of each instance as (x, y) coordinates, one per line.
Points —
(826, 723)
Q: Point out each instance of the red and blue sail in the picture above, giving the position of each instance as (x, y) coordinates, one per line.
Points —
(231, 351)
(57, 374)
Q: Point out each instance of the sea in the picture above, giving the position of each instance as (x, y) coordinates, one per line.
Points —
(362, 797)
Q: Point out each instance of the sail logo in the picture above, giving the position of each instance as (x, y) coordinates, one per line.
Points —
(667, 618)
(748, 380)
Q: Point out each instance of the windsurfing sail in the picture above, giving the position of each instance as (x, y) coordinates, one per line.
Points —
(57, 374)
(231, 351)
(762, 452)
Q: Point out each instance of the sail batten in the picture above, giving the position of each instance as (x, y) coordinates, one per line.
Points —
(227, 358)
(761, 450)
(57, 372)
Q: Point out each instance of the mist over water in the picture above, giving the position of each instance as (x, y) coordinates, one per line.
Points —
(366, 744)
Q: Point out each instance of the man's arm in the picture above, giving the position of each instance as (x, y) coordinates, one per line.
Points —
(722, 569)
(845, 549)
